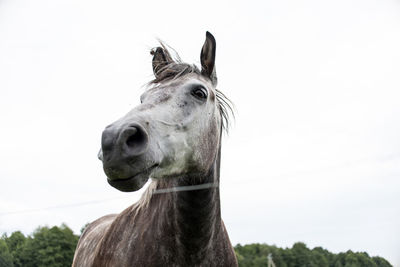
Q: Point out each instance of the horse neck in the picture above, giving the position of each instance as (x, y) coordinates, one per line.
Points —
(192, 217)
(198, 213)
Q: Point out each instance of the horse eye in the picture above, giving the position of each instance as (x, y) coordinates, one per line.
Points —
(199, 92)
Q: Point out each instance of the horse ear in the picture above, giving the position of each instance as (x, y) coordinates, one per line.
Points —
(161, 58)
(207, 58)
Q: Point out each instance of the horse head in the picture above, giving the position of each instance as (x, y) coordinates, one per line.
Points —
(175, 130)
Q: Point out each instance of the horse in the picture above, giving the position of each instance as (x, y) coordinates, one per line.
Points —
(172, 138)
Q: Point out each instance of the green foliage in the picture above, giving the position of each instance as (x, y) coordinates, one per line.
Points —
(5, 255)
(256, 255)
(381, 262)
(47, 247)
(16, 243)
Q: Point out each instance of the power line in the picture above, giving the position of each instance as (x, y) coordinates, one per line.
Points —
(159, 191)
(345, 164)
(62, 206)
(185, 188)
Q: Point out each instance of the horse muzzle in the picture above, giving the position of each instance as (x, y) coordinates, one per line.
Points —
(122, 152)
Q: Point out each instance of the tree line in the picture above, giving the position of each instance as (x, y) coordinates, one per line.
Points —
(299, 255)
(55, 247)
(46, 247)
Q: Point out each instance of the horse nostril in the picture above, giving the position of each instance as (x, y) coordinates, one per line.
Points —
(135, 140)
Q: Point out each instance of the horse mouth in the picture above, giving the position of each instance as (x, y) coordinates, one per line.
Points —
(132, 183)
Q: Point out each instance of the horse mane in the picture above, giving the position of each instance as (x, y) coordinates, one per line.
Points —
(144, 201)
(176, 68)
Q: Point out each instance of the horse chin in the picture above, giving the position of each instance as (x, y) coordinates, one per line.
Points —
(130, 184)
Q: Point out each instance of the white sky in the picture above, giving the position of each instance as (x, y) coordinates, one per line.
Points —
(314, 155)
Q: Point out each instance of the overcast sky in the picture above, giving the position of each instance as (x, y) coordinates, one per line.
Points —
(314, 155)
